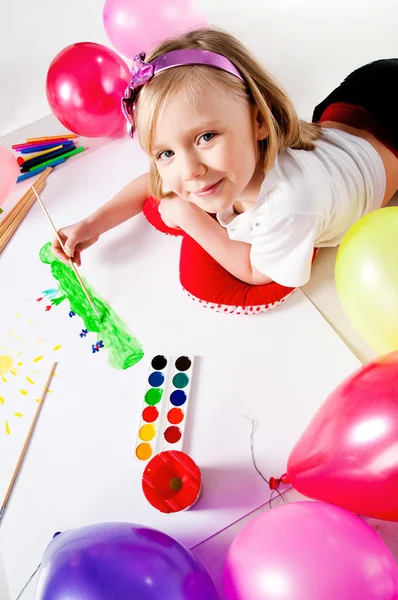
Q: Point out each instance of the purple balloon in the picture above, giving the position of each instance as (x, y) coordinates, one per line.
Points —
(309, 551)
(121, 561)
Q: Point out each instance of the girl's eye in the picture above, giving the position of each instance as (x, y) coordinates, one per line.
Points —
(207, 137)
(166, 154)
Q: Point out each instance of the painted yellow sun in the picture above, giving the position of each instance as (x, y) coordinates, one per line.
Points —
(21, 356)
(6, 364)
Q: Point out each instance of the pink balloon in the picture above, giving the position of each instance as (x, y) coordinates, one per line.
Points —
(137, 26)
(309, 551)
(9, 171)
(85, 84)
(348, 454)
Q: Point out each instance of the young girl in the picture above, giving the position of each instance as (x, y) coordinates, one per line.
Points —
(224, 139)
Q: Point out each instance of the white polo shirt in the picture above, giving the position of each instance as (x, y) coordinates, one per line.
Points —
(308, 199)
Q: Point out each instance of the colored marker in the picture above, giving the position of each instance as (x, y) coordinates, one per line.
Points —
(24, 146)
(21, 159)
(42, 147)
(42, 143)
(49, 163)
(40, 169)
(33, 162)
(69, 136)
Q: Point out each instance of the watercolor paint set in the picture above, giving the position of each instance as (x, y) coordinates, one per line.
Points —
(164, 409)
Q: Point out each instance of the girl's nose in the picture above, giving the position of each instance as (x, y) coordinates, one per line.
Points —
(192, 167)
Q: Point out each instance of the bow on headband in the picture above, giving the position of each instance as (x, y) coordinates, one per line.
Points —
(143, 72)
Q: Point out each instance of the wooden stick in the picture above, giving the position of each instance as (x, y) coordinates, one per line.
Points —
(27, 440)
(5, 222)
(22, 209)
(13, 226)
(70, 261)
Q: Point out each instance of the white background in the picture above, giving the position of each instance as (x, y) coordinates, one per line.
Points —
(310, 45)
(91, 418)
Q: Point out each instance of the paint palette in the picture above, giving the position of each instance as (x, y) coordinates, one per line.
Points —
(177, 403)
(164, 410)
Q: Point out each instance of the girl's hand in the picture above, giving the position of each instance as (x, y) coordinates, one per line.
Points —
(75, 239)
(174, 210)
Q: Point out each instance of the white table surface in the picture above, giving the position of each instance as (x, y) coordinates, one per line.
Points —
(322, 293)
(321, 290)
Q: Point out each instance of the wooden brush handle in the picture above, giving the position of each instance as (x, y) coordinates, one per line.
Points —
(5, 222)
(27, 440)
(7, 233)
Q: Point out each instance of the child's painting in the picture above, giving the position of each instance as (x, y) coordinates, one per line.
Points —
(111, 333)
(26, 356)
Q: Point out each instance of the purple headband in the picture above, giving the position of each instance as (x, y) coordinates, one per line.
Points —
(143, 72)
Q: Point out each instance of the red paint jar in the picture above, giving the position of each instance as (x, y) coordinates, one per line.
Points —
(172, 481)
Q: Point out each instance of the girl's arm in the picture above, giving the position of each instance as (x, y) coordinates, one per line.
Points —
(232, 255)
(79, 236)
(125, 205)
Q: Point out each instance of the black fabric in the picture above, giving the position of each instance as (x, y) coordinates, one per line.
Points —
(374, 87)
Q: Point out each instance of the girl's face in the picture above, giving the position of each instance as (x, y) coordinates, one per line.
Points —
(206, 151)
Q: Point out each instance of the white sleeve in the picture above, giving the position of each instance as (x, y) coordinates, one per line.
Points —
(283, 246)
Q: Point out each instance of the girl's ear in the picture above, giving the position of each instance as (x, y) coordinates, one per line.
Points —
(260, 127)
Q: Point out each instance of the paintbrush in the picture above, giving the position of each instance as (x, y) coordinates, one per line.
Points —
(70, 261)
(26, 444)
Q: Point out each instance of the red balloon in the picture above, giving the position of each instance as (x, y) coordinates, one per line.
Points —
(348, 454)
(85, 84)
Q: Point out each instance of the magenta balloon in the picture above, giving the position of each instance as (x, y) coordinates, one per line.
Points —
(348, 455)
(85, 84)
(9, 171)
(137, 26)
(309, 551)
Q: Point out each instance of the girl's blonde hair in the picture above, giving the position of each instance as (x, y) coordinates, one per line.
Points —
(276, 110)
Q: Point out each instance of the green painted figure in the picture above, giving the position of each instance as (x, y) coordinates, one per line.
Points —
(124, 349)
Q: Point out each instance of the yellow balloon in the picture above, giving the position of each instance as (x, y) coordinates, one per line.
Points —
(367, 278)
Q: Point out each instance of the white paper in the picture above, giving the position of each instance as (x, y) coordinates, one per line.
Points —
(277, 368)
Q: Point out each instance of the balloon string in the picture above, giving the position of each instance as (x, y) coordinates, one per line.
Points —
(28, 582)
(254, 423)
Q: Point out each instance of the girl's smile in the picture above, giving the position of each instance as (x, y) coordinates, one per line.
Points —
(206, 151)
